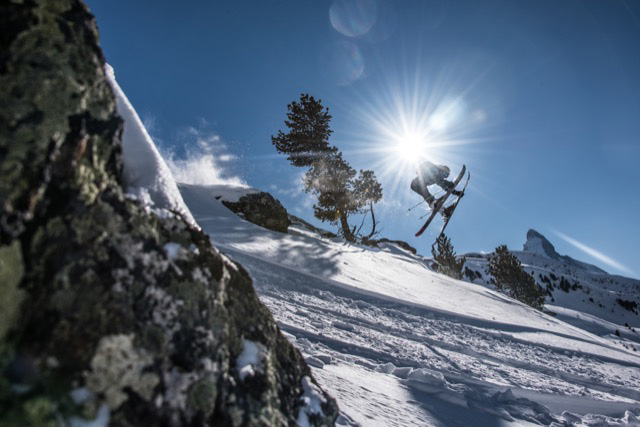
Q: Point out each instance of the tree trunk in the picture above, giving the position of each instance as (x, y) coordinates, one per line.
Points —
(346, 231)
(373, 221)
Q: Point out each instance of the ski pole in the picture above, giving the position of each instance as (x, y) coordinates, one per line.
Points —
(413, 207)
(434, 195)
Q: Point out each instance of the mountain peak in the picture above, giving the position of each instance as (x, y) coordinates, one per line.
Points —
(538, 244)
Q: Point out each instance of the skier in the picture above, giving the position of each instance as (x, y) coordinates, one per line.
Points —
(430, 174)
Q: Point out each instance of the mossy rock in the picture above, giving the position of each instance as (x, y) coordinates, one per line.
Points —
(93, 304)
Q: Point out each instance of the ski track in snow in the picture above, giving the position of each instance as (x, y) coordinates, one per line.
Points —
(374, 332)
(391, 361)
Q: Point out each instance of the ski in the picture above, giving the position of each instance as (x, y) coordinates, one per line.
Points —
(441, 201)
(455, 204)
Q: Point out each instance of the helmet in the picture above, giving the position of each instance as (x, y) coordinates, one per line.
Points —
(445, 169)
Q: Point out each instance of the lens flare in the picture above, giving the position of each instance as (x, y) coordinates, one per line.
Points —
(353, 18)
(341, 63)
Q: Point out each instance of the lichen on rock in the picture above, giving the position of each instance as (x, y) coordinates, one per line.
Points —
(117, 364)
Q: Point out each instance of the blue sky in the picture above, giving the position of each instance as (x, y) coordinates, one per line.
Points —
(540, 99)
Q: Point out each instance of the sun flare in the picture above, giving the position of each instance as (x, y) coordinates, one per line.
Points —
(412, 119)
(410, 146)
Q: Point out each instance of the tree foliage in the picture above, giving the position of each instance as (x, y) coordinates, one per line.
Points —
(309, 132)
(445, 258)
(340, 191)
(511, 279)
(367, 189)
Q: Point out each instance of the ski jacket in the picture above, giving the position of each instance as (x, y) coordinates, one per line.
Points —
(429, 174)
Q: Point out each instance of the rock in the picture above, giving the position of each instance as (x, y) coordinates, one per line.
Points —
(306, 225)
(136, 308)
(400, 243)
(538, 244)
(261, 209)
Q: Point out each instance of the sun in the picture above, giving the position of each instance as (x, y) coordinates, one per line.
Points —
(410, 146)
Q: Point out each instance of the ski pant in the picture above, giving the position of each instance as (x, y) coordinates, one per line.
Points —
(421, 188)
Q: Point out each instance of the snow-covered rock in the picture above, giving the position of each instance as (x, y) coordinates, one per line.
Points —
(538, 244)
(144, 168)
(112, 311)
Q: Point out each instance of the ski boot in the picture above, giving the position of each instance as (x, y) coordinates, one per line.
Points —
(431, 201)
(446, 212)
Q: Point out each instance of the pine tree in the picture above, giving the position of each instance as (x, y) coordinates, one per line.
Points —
(309, 132)
(367, 190)
(511, 279)
(329, 177)
(445, 258)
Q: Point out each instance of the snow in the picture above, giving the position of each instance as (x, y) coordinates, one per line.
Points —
(144, 168)
(312, 400)
(591, 306)
(172, 250)
(399, 345)
(248, 359)
(81, 395)
(102, 419)
(534, 246)
(230, 193)
(434, 350)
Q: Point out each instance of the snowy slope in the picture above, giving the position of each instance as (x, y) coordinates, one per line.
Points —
(395, 343)
(579, 293)
(400, 345)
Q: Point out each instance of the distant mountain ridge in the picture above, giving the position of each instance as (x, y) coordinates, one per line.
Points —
(538, 244)
(578, 293)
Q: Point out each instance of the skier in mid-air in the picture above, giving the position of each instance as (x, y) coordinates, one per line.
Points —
(430, 174)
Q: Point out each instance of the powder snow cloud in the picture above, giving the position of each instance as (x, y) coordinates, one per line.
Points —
(205, 161)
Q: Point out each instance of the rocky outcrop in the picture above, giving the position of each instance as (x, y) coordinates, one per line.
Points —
(538, 244)
(261, 209)
(109, 310)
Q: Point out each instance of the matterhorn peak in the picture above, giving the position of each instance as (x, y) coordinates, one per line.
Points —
(538, 244)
